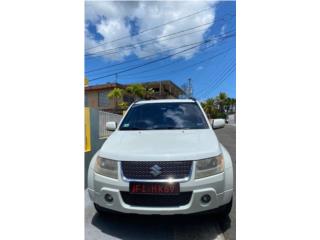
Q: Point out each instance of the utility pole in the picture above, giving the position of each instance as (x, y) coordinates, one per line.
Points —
(189, 88)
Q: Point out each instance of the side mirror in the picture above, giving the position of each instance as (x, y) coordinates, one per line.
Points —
(111, 126)
(218, 123)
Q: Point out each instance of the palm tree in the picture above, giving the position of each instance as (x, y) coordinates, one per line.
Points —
(228, 103)
(221, 99)
(123, 105)
(209, 107)
(116, 94)
(233, 104)
(138, 91)
(149, 93)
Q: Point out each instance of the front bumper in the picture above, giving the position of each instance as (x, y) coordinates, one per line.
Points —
(214, 186)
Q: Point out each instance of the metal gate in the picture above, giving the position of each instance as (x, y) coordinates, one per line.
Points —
(105, 117)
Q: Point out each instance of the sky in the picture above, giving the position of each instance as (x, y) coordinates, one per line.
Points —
(131, 42)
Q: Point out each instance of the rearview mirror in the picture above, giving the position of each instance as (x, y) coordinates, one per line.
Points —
(218, 123)
(111, 126)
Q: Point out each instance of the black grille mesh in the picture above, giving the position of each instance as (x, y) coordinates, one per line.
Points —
(169, 169)
(156, 200)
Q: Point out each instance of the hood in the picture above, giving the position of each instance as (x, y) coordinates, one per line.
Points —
(161, 145)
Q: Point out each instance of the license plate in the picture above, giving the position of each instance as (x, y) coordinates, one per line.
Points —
(154, 188)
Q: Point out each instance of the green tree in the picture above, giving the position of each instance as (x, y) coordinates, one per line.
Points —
(209, 108)
(116, 94)
(138, 91)
(149, 93)
(221, 100)
(228, 104)
(233, 104)
(123, 105)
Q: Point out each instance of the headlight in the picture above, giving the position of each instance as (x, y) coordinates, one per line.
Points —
(106, 167)
(210, 166)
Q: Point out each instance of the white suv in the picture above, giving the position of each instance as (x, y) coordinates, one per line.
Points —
(163, 158)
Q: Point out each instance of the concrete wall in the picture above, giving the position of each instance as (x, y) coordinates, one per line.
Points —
(93, 100)
(232, 119)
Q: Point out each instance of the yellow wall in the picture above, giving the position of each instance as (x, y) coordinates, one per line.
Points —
(87, 130)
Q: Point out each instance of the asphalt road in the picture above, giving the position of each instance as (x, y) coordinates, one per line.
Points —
(227, 136)
(128, 226)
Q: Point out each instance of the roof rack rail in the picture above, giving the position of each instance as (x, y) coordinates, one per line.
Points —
(192, 98)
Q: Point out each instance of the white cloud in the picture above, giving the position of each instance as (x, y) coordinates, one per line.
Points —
(111, 22)
(199, 68)
(223, 30)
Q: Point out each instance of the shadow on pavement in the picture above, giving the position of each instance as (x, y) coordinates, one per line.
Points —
(224, 223)
(131, 226)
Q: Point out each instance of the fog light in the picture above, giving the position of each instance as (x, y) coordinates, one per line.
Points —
(205, 198)
(108, 198)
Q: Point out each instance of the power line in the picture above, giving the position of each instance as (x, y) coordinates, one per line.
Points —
(129, 46)
(221, 53)
(152, 39)
(222, 77)
(213, 84)
(150, 62)
(222, 80)
(154, 61)
(149, 29)
(116, 52)
(230, 71)
(148, 70)
(109, 66)
(144, 43)
(184, 68)
(180, 69)
(198, 43)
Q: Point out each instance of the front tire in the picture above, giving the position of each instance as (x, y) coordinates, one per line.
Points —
(225, 210)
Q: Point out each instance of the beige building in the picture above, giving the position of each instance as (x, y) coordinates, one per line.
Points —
(96, 96)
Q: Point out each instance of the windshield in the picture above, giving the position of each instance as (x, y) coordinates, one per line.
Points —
(157, 116)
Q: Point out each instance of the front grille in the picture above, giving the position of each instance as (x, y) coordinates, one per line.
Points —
(141, 200)
(144, 170)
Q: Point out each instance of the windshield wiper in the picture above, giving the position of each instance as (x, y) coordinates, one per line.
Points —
(132, 128)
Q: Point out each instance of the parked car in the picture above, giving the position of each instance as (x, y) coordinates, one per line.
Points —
(163, 158)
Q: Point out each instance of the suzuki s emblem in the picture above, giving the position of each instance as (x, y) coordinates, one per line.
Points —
(155, 170)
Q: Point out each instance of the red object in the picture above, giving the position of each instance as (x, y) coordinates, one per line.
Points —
(154, 188)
